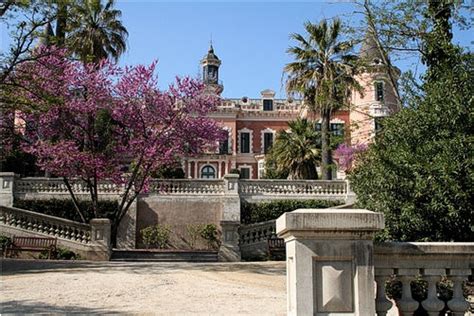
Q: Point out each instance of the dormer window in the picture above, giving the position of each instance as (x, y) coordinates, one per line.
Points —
(379, 91)
(267, 105)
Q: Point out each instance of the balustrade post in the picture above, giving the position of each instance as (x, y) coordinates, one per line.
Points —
(229, 249)
(100, 237)
(350, 195)
(433, 305)
(382, 304)
(406, 304)
(7, 186)
(329, 255)
(458, 304)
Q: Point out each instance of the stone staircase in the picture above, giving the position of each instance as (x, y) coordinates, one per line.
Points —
(160, 255)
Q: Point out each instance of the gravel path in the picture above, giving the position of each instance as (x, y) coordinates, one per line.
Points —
(142, 288)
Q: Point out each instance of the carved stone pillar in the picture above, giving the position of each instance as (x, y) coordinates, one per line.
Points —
(100, 237)
(229, 249)
(6, 188)
(433, 305)
(330, 260)
(458, 305)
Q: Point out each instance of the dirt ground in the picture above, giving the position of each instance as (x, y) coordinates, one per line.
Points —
(80, 287)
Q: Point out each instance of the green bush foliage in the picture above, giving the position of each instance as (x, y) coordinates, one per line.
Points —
(5, 241)
(156, 236)
(60, 253)
(194, 232)
(260, 212)
(209, 233)
(420, 171)
(65, 208)
(148, 236)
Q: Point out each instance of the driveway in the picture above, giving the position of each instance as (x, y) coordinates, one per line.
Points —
(82, 287)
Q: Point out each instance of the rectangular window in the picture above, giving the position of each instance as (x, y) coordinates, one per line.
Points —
(268, 105)
(244, 143)
(224, 146)
(244, 173)
(267, 142)
(379, 91)
(318, 127)
(337, 129)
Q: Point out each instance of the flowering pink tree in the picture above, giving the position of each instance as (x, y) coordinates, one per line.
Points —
(106, 122)
(345, 155)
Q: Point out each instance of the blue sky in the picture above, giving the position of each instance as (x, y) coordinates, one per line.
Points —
(249, 37)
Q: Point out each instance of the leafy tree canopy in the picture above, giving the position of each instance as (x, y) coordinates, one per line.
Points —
(420, 172)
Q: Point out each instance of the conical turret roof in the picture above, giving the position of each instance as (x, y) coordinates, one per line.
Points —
(369, 50)
(210, 54)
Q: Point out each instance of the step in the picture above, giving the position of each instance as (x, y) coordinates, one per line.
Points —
(164, 255)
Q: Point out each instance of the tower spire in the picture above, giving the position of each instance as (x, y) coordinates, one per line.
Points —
(210, 70)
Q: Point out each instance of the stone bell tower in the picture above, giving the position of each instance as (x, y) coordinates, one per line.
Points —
(210, 72)
(378, 98)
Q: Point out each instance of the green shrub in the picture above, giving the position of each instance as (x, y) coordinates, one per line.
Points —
(260, 212)
(156, 236)
(194, 232)
(209, 233)
(65, 208)
(148, 236)
(60, 253)
(162, 235)
(5, 241)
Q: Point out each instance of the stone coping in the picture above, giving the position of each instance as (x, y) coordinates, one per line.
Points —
(324, 220)
(421, 248)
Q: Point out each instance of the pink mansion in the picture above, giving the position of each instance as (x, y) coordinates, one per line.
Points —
(252, 124)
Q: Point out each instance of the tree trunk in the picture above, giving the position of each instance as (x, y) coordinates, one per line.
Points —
(74, 200)
(113, 233)
(61, 22)
(325, 153)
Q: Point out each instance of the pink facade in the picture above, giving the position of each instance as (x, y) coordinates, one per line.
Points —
(252, 124)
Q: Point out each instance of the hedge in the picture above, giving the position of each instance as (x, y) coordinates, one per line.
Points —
(65, 208)
(260, 212)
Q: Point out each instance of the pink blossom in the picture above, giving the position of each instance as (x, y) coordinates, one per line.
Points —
(345, 155)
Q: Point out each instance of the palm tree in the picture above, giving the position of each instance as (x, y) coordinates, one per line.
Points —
(95, 31)
(323, 73)
(296, 151)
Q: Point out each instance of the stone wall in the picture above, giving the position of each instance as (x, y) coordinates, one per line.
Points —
(178, 203)
(178, 212)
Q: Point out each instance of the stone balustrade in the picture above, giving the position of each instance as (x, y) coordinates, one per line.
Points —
(45, 224)
(188, 187)
(290, 189)
(257, 105)
(333, 266)
(91, 241)
(254, 239)
(249, 190)
(431, 262)
(57, 186)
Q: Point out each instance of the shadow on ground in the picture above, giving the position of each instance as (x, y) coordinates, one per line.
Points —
(21, 307)
(14, 266)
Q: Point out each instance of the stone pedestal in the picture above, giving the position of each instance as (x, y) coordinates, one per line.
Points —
(330, 267)
(100, 237)
(6, 188)
(229, 249)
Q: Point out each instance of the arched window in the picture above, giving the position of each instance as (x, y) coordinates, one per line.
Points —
(208, 172)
